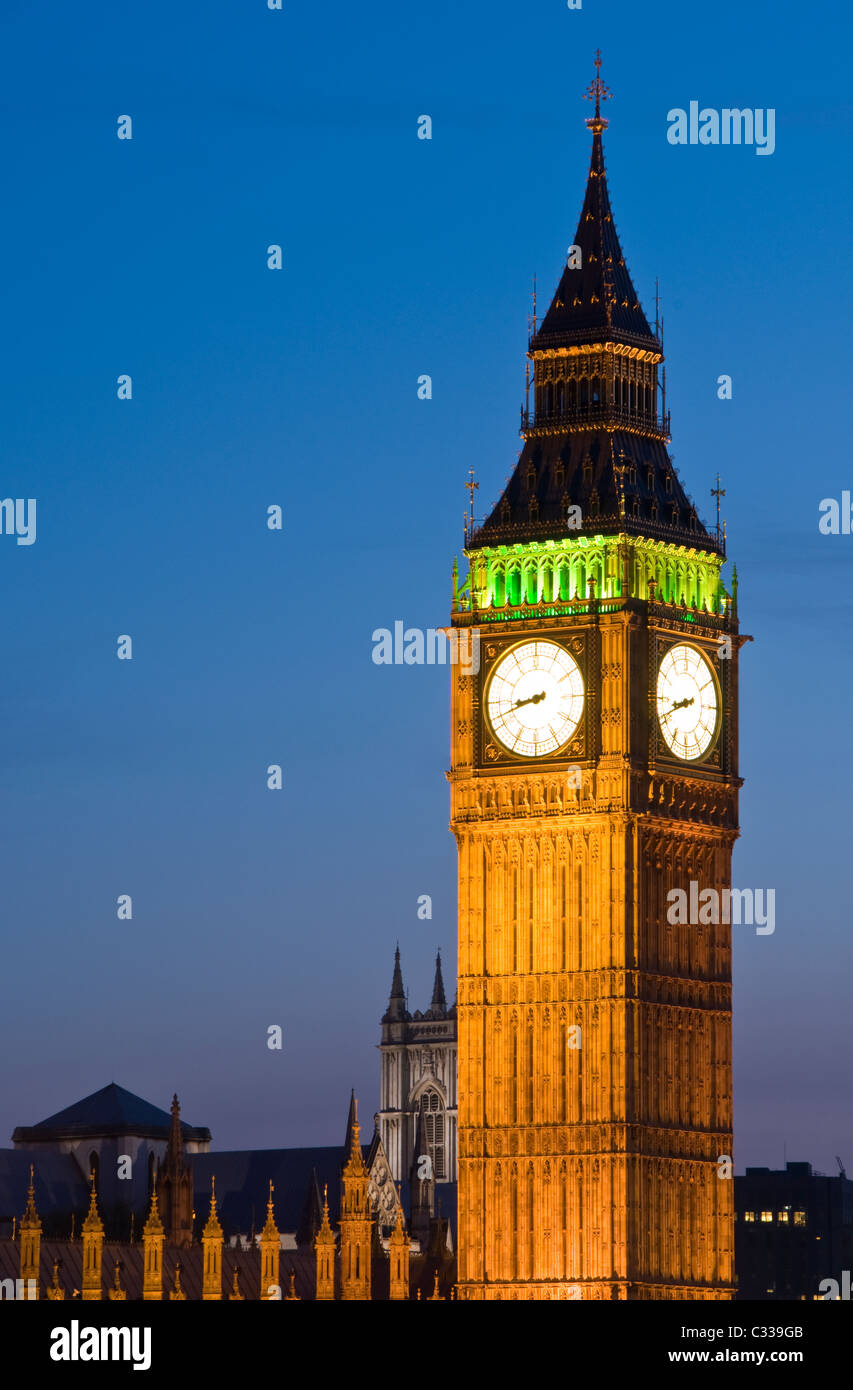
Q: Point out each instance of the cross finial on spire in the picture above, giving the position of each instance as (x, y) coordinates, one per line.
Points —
(597, 91)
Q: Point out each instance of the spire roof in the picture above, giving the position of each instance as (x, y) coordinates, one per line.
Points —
(213, 1228)
(438, 1004)
(30, 1219)
(174, 1161)
(396, 1011)
(154, 1224)
(93, 1222)
(353, 1154)
(595, 299)
(270, 1231)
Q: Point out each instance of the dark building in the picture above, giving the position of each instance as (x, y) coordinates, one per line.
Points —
(793, 1230)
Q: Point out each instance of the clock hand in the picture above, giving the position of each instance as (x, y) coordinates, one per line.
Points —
(533, 700)
(682, 704)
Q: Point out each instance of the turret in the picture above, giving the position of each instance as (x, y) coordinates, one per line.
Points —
(93, 1243)
(153, 1239)
(324, 1250)
(399, 1257)
(175, 1182)
(212, 1240)
(355, 1219)
(30, 1248)
(270, 1254)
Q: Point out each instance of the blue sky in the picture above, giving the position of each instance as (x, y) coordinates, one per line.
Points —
(298, 387)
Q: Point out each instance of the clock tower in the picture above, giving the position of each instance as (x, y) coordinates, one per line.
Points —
(594, 770)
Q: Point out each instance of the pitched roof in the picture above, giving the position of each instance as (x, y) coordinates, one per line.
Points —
(110, 1111)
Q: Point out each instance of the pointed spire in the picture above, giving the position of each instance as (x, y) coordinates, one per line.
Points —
(270, 1231)
(212, 1228)
(438, 1006)
(596, 299)
(154, 1224)
(93, 1221)
(396, 1012)
(353, 1155)
(325, 1227)
(30, 1217)
(174, 1158)
(352, 1126)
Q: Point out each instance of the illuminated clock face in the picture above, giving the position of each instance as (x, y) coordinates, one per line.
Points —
(534, 701)
(688, 703)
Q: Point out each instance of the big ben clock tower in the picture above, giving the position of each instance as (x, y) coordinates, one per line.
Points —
(594, 769)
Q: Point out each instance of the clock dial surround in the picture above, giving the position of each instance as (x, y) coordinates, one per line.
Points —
(688, 702)
(535, 699)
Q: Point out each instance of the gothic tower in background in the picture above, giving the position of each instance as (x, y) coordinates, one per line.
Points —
(418, 1080)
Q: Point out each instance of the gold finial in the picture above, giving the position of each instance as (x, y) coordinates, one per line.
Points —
(598, 92)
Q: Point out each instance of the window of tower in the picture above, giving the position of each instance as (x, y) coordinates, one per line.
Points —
(432, 1112)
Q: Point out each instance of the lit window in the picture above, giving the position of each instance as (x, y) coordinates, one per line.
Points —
(799, 1218)
(783, 1216)
(749, 1216)
(767, 1216)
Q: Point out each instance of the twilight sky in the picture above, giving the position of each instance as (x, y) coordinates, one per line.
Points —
(298, 387)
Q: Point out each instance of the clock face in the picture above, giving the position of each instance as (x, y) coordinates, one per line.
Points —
(534, 701)
(688, 703)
